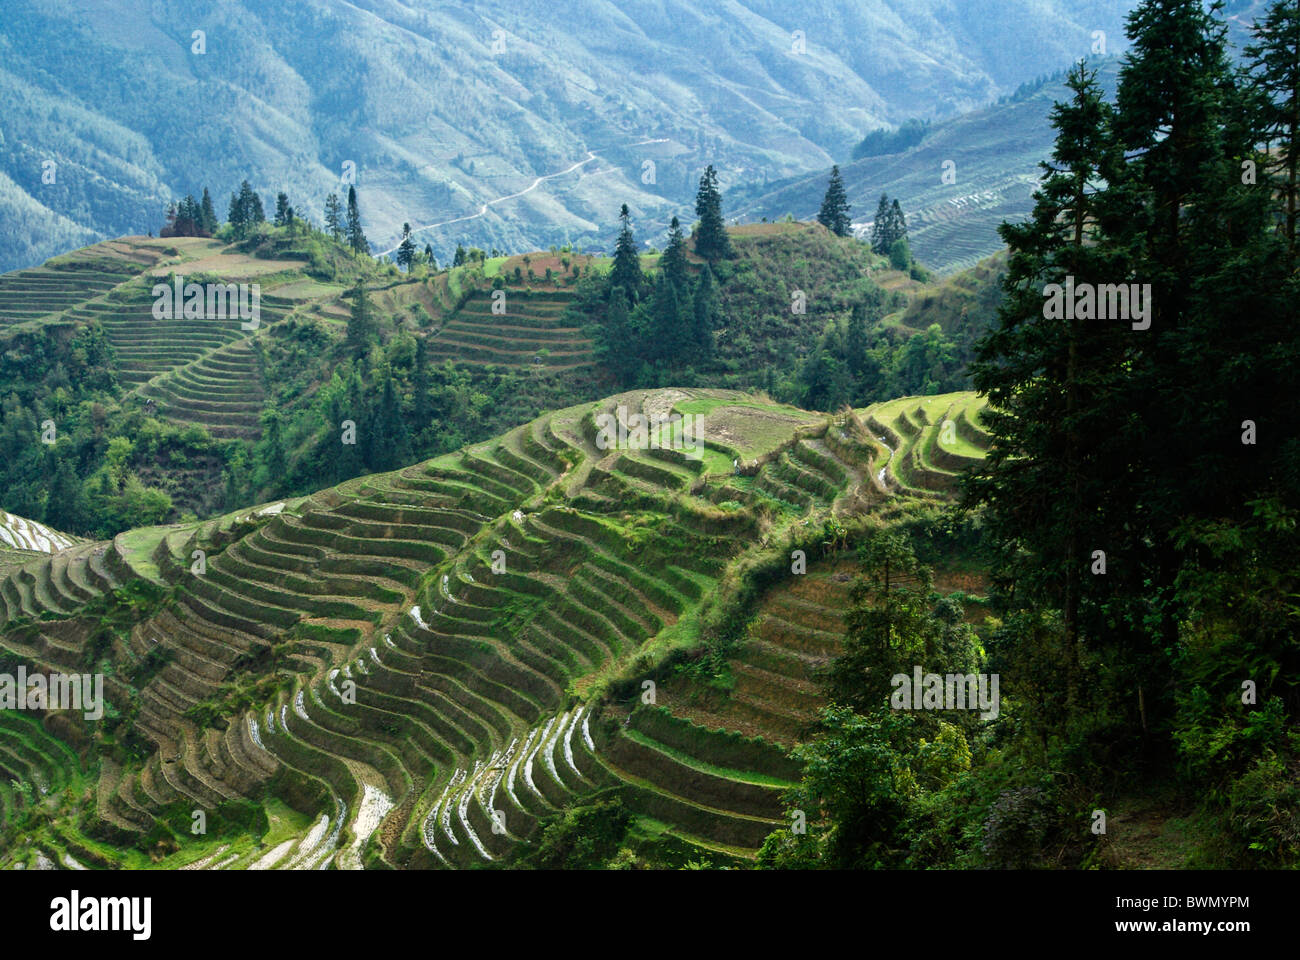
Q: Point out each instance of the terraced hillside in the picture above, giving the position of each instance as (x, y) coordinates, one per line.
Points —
(66, 283)
(927, 441)
(17, 533)
(420, 668)
(190, 370)
(527, 330)
(221, 389)
(207, 371)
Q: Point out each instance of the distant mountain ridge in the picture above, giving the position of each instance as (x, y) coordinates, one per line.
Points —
(110, 111)
(952, 211)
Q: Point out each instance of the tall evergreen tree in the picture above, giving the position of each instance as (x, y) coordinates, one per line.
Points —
(706, 311)
(245, 209)
(1120, 436)
(672, 264)
(186, 219)
(881, 240)
(1275, 65)
(1044, 489)
(256, 214)
(334, 217)
(207, 215)
(855, 341)
(392, 442)
(361, 322)
(669, 340)
(406, 249)
(348, 460)
(625, 274)
(834, 213)
(271, 446)
(1168, 200)
(711, 240)
(281, 209)
(428, 257)
(356, 236)
(235, 215)
(618, 347)
(897, 223)
(67, 503)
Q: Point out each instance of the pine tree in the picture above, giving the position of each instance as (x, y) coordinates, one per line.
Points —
(193, 216)
(406, 249)
(458, 259)
(356, 236)
(1126, 437)
(245, 210)
(282, 209)
(271, 451)
(334, 217)
(428, 257)
(618, 350)
(256, 213)
(361, 323)
(672, 264)
(186, 219)
(897, 223)
(625, 275)
(67, 504)
(834, 213)
(1034, 368)
(207, 215)
(881, 240)
(1171, 199)
(348, 460)
(392, 442)
(667, 315)
(235, 215)
(711, 240)
(1274, 59)
(706, 310)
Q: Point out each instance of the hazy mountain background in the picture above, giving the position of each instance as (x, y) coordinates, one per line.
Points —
(994, 154)
(438, 123)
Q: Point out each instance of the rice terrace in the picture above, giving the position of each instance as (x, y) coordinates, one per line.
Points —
(823, 444)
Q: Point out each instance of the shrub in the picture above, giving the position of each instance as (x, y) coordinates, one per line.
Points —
(1016, 828)
(900, 254)
(584, 837)
(1264, 813)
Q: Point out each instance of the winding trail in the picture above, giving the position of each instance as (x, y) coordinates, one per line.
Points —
(483, 208)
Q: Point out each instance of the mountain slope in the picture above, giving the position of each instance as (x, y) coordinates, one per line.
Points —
(994, 155)
(285, 93)
(394, 665)
(502, 341)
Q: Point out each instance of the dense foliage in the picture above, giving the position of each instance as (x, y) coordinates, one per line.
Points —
(1139, 502)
